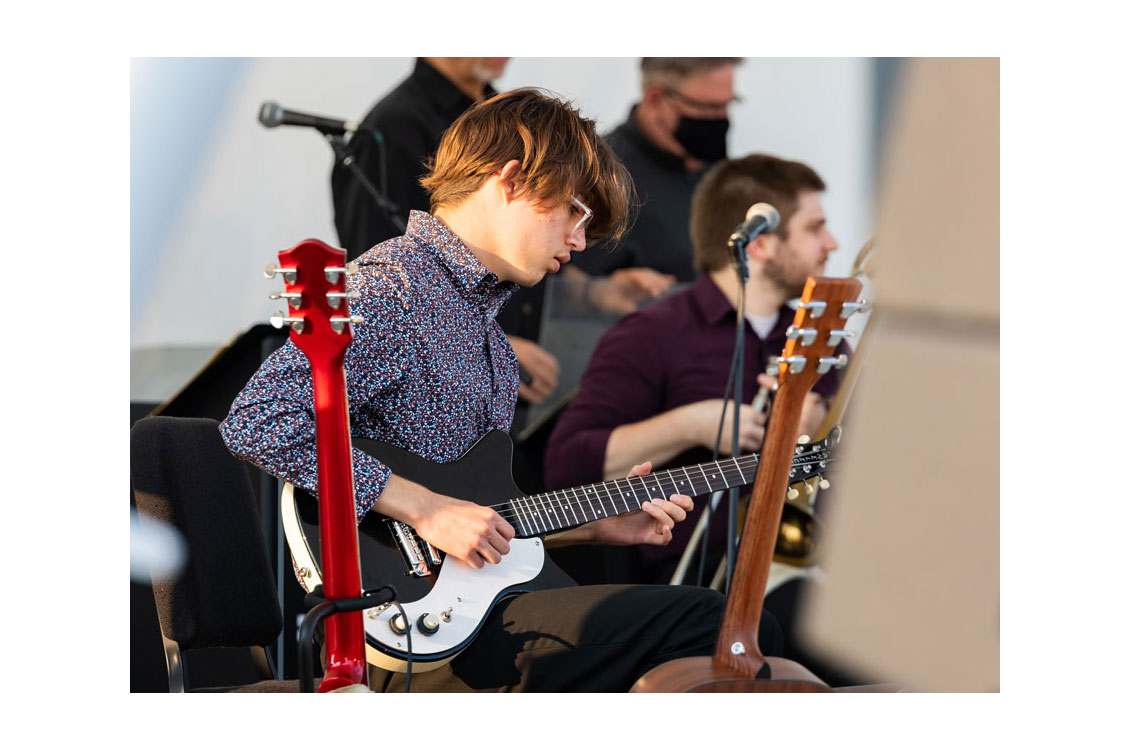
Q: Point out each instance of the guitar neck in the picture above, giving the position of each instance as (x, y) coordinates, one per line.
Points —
(547, 512)
(812, 339)
(335, 482)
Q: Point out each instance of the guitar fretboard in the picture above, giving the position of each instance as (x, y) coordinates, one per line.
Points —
(533, 515)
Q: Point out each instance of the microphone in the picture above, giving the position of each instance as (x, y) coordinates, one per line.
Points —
(760, 218)
(271, 115)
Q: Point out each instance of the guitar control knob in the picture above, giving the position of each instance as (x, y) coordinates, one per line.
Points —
(428, 624)
(398, 624)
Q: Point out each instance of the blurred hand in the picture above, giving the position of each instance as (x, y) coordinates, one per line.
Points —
(703, 420)
(542, 367)
(625, 289)
(645, 280)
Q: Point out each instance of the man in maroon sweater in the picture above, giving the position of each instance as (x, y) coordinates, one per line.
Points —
(655, 383)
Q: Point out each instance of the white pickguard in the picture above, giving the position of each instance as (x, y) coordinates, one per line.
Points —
(467, 592)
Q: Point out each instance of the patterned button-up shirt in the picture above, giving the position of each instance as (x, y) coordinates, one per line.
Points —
(430, 371)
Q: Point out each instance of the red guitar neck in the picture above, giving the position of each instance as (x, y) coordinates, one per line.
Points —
(345, 633)
(321, 327)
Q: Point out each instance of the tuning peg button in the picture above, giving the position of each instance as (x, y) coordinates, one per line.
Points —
(278, 320)
(835, 337)
(289, 274)
(847, 309)
(334, 272)
(796, 364)
(793, 494)
(335, 298)
(825, 484)
(805, 335)
(827, 363)
(815, 308)
(338, 322)
(294, 298)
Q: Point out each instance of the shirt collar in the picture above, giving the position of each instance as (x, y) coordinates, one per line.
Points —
(471, 277)
(710, 300)
(715, 308)
(447, 97)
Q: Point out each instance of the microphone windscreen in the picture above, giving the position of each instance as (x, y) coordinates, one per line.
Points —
(270, 114)
(772, 218)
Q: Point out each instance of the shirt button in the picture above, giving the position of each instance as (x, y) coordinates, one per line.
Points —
(527, 309)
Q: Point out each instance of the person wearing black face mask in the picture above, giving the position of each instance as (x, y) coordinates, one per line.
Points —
(672, 135)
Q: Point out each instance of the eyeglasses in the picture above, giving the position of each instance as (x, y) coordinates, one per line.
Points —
(711, 107)
(586, 215)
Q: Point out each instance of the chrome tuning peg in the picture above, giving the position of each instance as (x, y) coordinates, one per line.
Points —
(333, 272)
(289, 274)
(835, 337)
(335, 298)
(293, 298)
(796, 364)
(806, 335)
(827, 363)
(847, 309)
(278, 320)
(338, 321)
(815, 308)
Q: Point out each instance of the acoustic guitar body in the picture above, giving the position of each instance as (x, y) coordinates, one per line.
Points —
(701, 674)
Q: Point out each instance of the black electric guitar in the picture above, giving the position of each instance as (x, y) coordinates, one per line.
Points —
(446, 601)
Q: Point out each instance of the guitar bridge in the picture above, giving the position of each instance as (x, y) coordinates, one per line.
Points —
(416, 551)
(431, 552)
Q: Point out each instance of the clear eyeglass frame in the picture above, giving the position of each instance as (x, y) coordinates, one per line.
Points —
(586, 215)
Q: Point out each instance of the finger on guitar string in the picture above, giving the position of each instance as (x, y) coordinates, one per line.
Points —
(667, 512)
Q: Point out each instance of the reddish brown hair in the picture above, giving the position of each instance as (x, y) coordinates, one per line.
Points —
(559, 151)
(728, 190)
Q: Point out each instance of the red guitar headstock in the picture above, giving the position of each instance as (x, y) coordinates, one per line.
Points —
(818, 329)
(317, 303)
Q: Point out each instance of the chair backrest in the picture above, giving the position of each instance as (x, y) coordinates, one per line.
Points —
(184, 475)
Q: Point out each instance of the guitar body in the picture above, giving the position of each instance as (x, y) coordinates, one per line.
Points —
(701, 674)
(465, 595)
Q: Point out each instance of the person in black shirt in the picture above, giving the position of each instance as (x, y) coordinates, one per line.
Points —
(676, 130)
(411, 119)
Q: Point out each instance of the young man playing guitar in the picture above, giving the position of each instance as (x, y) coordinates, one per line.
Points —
(518, 183)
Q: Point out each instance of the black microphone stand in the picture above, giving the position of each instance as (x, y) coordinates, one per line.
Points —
(734, 386)
(738, 260)
(347, 160)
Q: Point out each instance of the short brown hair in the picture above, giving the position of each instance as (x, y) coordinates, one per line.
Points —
(559, 151)
(727, 191)
(669, 71)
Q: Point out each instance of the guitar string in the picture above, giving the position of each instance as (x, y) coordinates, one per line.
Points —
(543, 512)
(549, 501)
